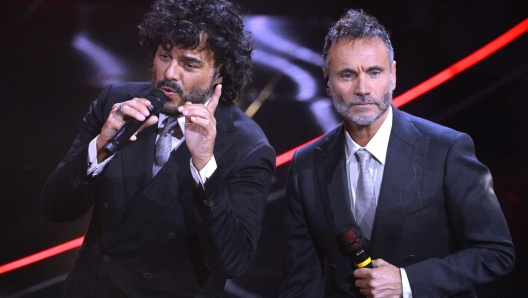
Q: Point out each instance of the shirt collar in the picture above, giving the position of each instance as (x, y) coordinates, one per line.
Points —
(377, 146)
(181, 121)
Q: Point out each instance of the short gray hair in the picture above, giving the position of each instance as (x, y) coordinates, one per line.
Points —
(354, 25)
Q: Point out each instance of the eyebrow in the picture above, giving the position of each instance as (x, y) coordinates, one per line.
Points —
(375, 67)
(369, 69)
(192, 59)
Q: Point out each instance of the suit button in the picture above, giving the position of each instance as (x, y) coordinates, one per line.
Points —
(147, 275)
(105, 205)
(212, 209)
(211, 204)
(171, 235)
(105, 258)
(204, 203)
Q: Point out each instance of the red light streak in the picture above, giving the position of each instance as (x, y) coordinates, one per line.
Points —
(42, 255)
(286, 157)
(462, 65)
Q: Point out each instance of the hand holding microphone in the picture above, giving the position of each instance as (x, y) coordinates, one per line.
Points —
(387, 280)
(351, 242)
(157, 100)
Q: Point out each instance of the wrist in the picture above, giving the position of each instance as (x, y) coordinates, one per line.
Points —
(101, 154)
(200, 163)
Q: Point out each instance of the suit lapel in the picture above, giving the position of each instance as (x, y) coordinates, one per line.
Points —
(132, 171)
(135, 158)
(399, 193)
(330, 168)
(224, 127)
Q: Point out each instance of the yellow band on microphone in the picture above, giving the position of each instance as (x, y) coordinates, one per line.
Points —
(364, 263)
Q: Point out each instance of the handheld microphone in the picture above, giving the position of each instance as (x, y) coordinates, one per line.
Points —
(351, 242)
(157, 100)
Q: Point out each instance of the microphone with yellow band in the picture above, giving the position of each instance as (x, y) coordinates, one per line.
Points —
(350, 241)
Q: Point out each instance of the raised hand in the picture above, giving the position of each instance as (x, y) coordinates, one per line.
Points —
(200, 129)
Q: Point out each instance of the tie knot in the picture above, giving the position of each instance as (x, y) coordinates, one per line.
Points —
(363, 155)
(169, 128)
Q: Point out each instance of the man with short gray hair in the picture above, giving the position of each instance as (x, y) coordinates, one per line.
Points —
(407, 192)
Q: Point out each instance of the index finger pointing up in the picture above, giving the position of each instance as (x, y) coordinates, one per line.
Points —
(213, 103)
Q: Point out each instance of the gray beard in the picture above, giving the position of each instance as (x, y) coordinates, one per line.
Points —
(343, 108)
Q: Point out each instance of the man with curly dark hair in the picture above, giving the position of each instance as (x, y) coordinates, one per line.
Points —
(177, 211)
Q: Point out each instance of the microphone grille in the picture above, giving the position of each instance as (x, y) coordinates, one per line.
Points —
(350, 236)
(157, 99)
(350, 240)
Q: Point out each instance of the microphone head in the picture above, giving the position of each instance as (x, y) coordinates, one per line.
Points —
(157, 99)
(350, 240)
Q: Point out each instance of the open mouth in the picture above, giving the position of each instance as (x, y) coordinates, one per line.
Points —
(167, 90)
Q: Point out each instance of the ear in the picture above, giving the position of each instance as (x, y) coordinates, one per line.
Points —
(393, 75)
(326, 78)
(218, 76)
(218, 79)
(328, 92)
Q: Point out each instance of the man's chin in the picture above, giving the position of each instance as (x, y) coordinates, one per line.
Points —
(171, 109)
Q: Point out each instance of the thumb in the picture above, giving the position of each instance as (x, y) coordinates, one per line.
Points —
(378, 262)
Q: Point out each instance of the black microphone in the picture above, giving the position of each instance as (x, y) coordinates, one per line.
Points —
(350, 241)
(157, 100)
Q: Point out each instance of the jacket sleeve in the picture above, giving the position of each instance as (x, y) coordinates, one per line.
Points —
(304, 276)
(230, 207)
(67, 194)
(484, 249)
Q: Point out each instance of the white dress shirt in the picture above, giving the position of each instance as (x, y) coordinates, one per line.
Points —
(377, 147)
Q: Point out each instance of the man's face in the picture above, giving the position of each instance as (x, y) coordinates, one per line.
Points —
(184, 75)
(361, 80)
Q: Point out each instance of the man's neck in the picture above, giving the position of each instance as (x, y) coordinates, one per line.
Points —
(362, 134)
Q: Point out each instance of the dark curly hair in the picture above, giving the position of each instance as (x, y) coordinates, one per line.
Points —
(356, 24)
(183, 22)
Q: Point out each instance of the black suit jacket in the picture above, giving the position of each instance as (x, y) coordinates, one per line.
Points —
(164, 236)
(437, 215)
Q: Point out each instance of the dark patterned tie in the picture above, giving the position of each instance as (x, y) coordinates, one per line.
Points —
(365, 196)
(164, 144)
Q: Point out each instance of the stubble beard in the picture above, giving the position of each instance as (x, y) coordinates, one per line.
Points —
(195, 95)
(343, 108)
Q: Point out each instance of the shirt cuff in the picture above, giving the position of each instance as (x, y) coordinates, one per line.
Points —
(406, 286)
(95, 168)
(205, 173)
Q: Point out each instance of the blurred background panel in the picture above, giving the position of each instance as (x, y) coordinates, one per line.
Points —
(55, 57)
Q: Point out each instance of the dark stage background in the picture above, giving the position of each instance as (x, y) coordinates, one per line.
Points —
(56, 55)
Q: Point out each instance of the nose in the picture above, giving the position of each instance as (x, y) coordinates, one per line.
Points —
(362, 86)
(173, 71)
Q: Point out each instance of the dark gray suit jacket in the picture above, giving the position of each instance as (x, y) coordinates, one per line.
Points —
(166, 236)
(437, 215)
